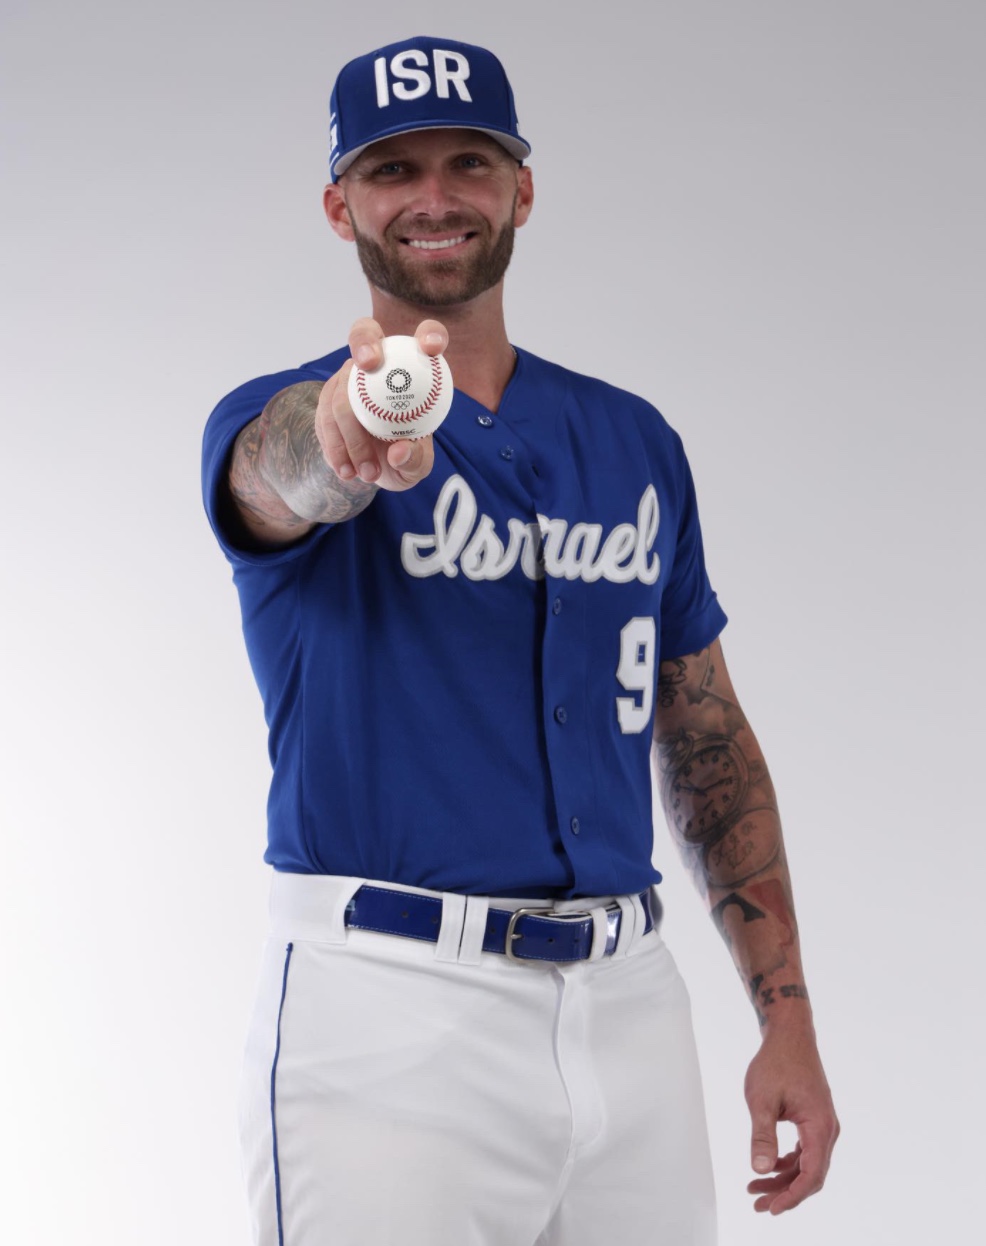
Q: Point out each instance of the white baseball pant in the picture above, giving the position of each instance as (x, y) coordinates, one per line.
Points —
(397, 1092)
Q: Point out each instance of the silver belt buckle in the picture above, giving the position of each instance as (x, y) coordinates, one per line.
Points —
(512, 933)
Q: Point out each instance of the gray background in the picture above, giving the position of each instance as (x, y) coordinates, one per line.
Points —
(767, 218)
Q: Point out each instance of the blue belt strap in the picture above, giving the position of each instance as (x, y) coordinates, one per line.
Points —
(558, 937)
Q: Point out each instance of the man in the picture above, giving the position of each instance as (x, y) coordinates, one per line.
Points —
(469, 647)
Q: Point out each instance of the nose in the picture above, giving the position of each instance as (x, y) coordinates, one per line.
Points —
(433, 193)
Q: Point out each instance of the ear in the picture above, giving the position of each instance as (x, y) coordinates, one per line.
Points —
(336, 212)
(525, 195)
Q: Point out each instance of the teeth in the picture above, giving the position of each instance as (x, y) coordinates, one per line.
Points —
(435, 246)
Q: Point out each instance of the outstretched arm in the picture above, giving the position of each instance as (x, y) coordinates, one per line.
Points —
(722, 811)
(307, 460)
(279, 481)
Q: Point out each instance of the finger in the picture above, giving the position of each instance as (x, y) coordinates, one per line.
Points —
(432, 337)
(785, 1170)
(770, 1190)
(763, 1152)
(411, 461)
(362, 449)
(771, 1185)
(813, 1164)
(364, 343)
(796, 1193)
(329, 436)
(812, 1167)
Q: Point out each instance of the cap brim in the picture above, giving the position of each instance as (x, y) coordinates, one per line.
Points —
(516, 146)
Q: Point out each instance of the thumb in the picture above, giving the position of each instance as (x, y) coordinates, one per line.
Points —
(411, 460)
(764, 1149)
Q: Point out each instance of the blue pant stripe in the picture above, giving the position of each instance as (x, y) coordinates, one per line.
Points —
(273, 1078)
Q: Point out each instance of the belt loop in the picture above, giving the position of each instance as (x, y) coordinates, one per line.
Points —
(453, 912)
(474, 929)
(600, 933)
(630, 906)
(337, 910)
(640, 927)
(311, 906)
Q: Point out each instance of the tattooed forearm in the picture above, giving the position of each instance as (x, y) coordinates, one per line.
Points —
(279, 477)
(759, 928)
(757, 923)
(743, 851)
(748, 912)
(669, 681)
(717, 795)
(692, 676)
(291, 460)
(722, 812)
(764, 997)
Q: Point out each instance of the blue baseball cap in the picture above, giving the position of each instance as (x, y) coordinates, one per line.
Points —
(420, 84)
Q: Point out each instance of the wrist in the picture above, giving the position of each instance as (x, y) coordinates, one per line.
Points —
(786, 1017)
(781, 1002)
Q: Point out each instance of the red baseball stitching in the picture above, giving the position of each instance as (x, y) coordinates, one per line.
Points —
(402, 417)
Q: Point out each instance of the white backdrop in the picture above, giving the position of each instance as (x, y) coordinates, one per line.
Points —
(765, 217)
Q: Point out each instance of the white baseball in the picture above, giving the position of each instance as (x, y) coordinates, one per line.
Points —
(407, 396)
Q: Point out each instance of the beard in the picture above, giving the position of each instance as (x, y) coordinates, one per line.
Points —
(438, 283)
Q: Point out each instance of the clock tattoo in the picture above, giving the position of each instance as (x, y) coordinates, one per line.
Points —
(705, 784)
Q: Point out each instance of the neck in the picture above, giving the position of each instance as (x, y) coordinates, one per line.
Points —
(479, 354)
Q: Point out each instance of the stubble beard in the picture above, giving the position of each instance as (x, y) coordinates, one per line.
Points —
(444, 282)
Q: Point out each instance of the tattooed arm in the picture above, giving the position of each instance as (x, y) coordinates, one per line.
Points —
(307, 460)
(280, 484)
(722, 811)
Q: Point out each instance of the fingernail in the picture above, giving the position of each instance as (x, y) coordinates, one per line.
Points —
(403, 455)
(433, 339)
(368, 472)
(761, 1163)
(347, 471)
(365, 355)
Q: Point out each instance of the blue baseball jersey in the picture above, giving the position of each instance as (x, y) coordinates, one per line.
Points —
(459, 683)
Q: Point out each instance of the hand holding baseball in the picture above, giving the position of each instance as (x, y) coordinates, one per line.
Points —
(349, 448)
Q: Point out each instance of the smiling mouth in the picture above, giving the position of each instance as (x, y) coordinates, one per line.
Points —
(427, 244)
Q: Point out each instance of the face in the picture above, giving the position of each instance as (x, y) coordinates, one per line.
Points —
(432, 214)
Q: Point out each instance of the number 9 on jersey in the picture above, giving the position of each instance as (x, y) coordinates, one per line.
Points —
(638, 640)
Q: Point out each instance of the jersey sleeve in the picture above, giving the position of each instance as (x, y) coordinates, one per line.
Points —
(691, 617)
(230, 417)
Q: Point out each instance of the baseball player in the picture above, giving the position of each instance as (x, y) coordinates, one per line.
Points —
(471, 647)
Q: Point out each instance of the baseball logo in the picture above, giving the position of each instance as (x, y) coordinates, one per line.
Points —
(408, 396)
(398, 380)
